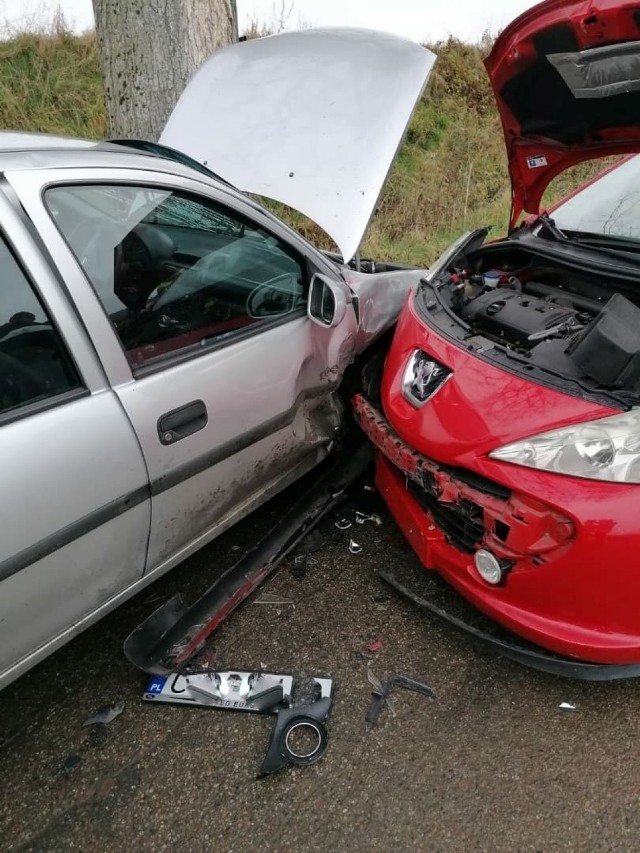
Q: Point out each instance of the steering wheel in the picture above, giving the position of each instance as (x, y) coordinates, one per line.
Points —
(18, 384)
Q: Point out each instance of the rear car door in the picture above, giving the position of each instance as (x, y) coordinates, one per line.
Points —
(227, 383)
(74, 502)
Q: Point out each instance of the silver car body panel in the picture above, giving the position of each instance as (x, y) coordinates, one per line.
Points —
(19, 140)
(265, 415)
(74, 524)
(379, 299)
(89, 490)
(330, 106)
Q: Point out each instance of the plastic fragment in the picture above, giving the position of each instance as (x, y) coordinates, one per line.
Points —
(374, 647)
(343, 524)
(300, 567)
(354, 547)
(567, 706)
(273, 599)
(362, 518)
(379, 690)
(383, 697)
(105, 715)
(374, 681)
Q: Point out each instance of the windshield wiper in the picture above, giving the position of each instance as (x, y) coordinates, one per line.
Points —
(606, 245)
(605, 241)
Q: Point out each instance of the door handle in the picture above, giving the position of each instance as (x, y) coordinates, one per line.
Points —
(179, 423)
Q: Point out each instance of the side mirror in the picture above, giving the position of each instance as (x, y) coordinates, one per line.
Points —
(328, 300)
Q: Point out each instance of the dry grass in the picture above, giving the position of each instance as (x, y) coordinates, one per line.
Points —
(450, 174)
(51, 82)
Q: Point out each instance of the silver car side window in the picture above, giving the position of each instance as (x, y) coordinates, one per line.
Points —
(34, 364)
(175, 272)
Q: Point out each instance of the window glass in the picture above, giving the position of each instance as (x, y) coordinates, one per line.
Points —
(610, 205)
(172, 271)
(34, 364)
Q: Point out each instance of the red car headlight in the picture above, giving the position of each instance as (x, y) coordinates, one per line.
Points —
(606, 449)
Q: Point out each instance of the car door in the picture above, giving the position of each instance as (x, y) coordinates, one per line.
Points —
(227, 383)
(74, 503)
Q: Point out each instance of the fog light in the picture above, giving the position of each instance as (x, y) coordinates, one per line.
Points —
(488, 566)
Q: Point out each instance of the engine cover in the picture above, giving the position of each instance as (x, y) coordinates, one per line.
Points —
(514, 315)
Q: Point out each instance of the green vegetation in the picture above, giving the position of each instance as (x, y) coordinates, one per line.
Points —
(52, 83)
(450, 175)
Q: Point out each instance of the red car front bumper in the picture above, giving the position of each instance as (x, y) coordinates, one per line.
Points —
(574, 584)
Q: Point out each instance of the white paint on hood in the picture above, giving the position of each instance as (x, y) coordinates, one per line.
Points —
(312, 119)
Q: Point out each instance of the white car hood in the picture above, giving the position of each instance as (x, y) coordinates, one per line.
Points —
(312, 119)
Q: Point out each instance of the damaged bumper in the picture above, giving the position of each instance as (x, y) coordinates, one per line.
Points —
(469, 510)
(555, 593)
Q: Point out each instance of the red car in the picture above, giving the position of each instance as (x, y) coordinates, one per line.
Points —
(508, 425)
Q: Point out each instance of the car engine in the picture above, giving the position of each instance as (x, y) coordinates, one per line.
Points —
(521, 318)
(553, 327)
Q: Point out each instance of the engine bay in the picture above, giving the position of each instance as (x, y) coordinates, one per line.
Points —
(507, 304)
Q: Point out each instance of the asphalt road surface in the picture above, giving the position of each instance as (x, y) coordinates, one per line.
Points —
(491, 764)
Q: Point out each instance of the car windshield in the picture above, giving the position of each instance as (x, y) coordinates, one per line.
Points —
(610, 206)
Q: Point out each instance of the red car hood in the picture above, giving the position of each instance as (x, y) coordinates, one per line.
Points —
(566, 76)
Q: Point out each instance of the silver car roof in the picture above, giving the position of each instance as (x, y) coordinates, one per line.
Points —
(46, 151)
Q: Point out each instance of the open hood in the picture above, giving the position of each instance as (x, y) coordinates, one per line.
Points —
(566, 75)
(312, 119)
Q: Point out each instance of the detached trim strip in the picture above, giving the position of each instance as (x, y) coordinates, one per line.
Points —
(66, 535)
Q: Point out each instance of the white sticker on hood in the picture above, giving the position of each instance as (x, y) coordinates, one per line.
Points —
(536, 162)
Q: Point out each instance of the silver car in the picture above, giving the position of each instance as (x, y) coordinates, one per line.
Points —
(170, 351)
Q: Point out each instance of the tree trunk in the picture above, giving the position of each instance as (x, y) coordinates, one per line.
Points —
(150, 49)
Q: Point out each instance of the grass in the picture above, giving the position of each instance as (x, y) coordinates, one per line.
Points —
(450, 174)
(52, 83)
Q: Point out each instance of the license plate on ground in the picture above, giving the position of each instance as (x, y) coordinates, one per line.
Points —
(232, 691)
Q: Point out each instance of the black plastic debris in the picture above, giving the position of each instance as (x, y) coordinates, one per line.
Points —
(71, 764)
(170, 636)
(301, 707)
(299, 737)
(382, 694)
